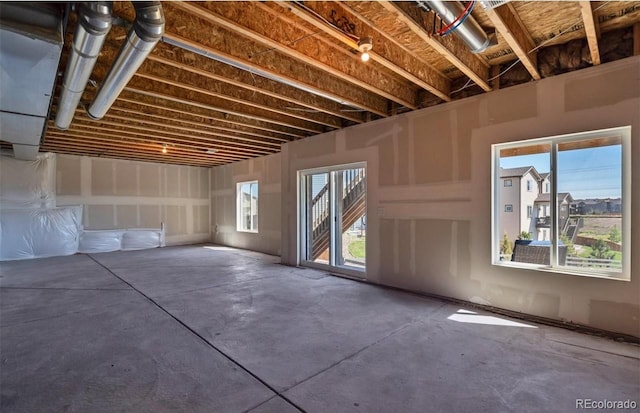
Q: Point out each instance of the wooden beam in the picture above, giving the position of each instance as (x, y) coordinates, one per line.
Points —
(226, 152)
(113, 150)
(199, 126)
(591, 30)
(636, 39)
(189, 131)
(198, 81)
(203, 66)
(206, 114)
(153, 149)
(217, 42)
(194, 118)
(190, 92)
(118, 127)
(273, 33)
(268, 104)
(395, 60)
(453, 49)
(64, 150)
(508, 23)
(495, 75)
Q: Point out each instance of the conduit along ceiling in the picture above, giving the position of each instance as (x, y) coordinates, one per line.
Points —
(234, 80)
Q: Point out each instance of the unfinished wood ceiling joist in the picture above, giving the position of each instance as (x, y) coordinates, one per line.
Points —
(452, 48)
(592, 30)
(235, 80)
(510, 26)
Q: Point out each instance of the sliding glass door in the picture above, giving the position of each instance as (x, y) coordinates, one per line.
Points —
(333, 217)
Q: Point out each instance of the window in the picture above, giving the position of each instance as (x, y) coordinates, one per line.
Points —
(247, 204)
(508, 182)
(583, 221)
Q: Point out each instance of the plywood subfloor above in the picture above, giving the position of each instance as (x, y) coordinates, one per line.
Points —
(236, 80)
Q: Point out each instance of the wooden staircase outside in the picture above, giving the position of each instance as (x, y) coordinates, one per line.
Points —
(353, 207)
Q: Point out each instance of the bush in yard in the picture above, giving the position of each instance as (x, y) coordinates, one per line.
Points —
(524, 235)
(600, 250)
(614, 235)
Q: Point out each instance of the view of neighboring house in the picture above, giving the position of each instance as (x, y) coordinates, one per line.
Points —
(525, 197)
(542, 220)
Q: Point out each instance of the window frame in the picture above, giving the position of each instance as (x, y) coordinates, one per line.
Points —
(508, 207)
(624, 133)
(510, 183)
(239, 213)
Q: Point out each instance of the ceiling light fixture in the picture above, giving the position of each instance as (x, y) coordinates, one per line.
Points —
(212, 150)
(364, 45)
(164, 148)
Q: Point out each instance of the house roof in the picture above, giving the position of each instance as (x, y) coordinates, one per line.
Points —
(563, 196)
(544, 175)
(518, 172)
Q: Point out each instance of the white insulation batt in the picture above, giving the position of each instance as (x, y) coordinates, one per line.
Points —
(39, 233)
(116, 240)
(31, 226)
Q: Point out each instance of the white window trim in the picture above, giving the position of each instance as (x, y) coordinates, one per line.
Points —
(625, 135)
(239, 206)
(510, 183)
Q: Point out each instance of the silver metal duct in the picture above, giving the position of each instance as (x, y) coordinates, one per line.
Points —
(468, 31)
(94, 23)
(147, 30)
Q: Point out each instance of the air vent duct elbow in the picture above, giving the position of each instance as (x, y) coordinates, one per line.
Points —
(94, 23)
(467, 29)
(147, 30)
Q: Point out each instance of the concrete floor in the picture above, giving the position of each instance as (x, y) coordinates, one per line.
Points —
(213, 329)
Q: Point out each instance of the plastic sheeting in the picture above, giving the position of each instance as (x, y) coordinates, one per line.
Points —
(94, 241)
(39, 233)
(28, 184)
(100, 241)
(138, 239)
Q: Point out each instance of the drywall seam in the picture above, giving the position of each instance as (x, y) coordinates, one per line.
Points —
(455, 162)
(130, 200)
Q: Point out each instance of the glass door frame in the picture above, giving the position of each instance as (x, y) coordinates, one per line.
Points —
(302, 224)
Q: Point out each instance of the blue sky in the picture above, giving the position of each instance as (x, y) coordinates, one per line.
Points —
(585, 173)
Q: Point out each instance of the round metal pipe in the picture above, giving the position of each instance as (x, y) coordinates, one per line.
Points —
(94, 23)
(145, 33)
(469, 31)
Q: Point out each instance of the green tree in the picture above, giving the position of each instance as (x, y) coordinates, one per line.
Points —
(505, 247)
(600, 250)
(524, 235)
(615, 235)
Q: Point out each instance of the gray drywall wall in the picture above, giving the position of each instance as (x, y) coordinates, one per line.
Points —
(130, 194)
(429, 193)
(267, 171)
